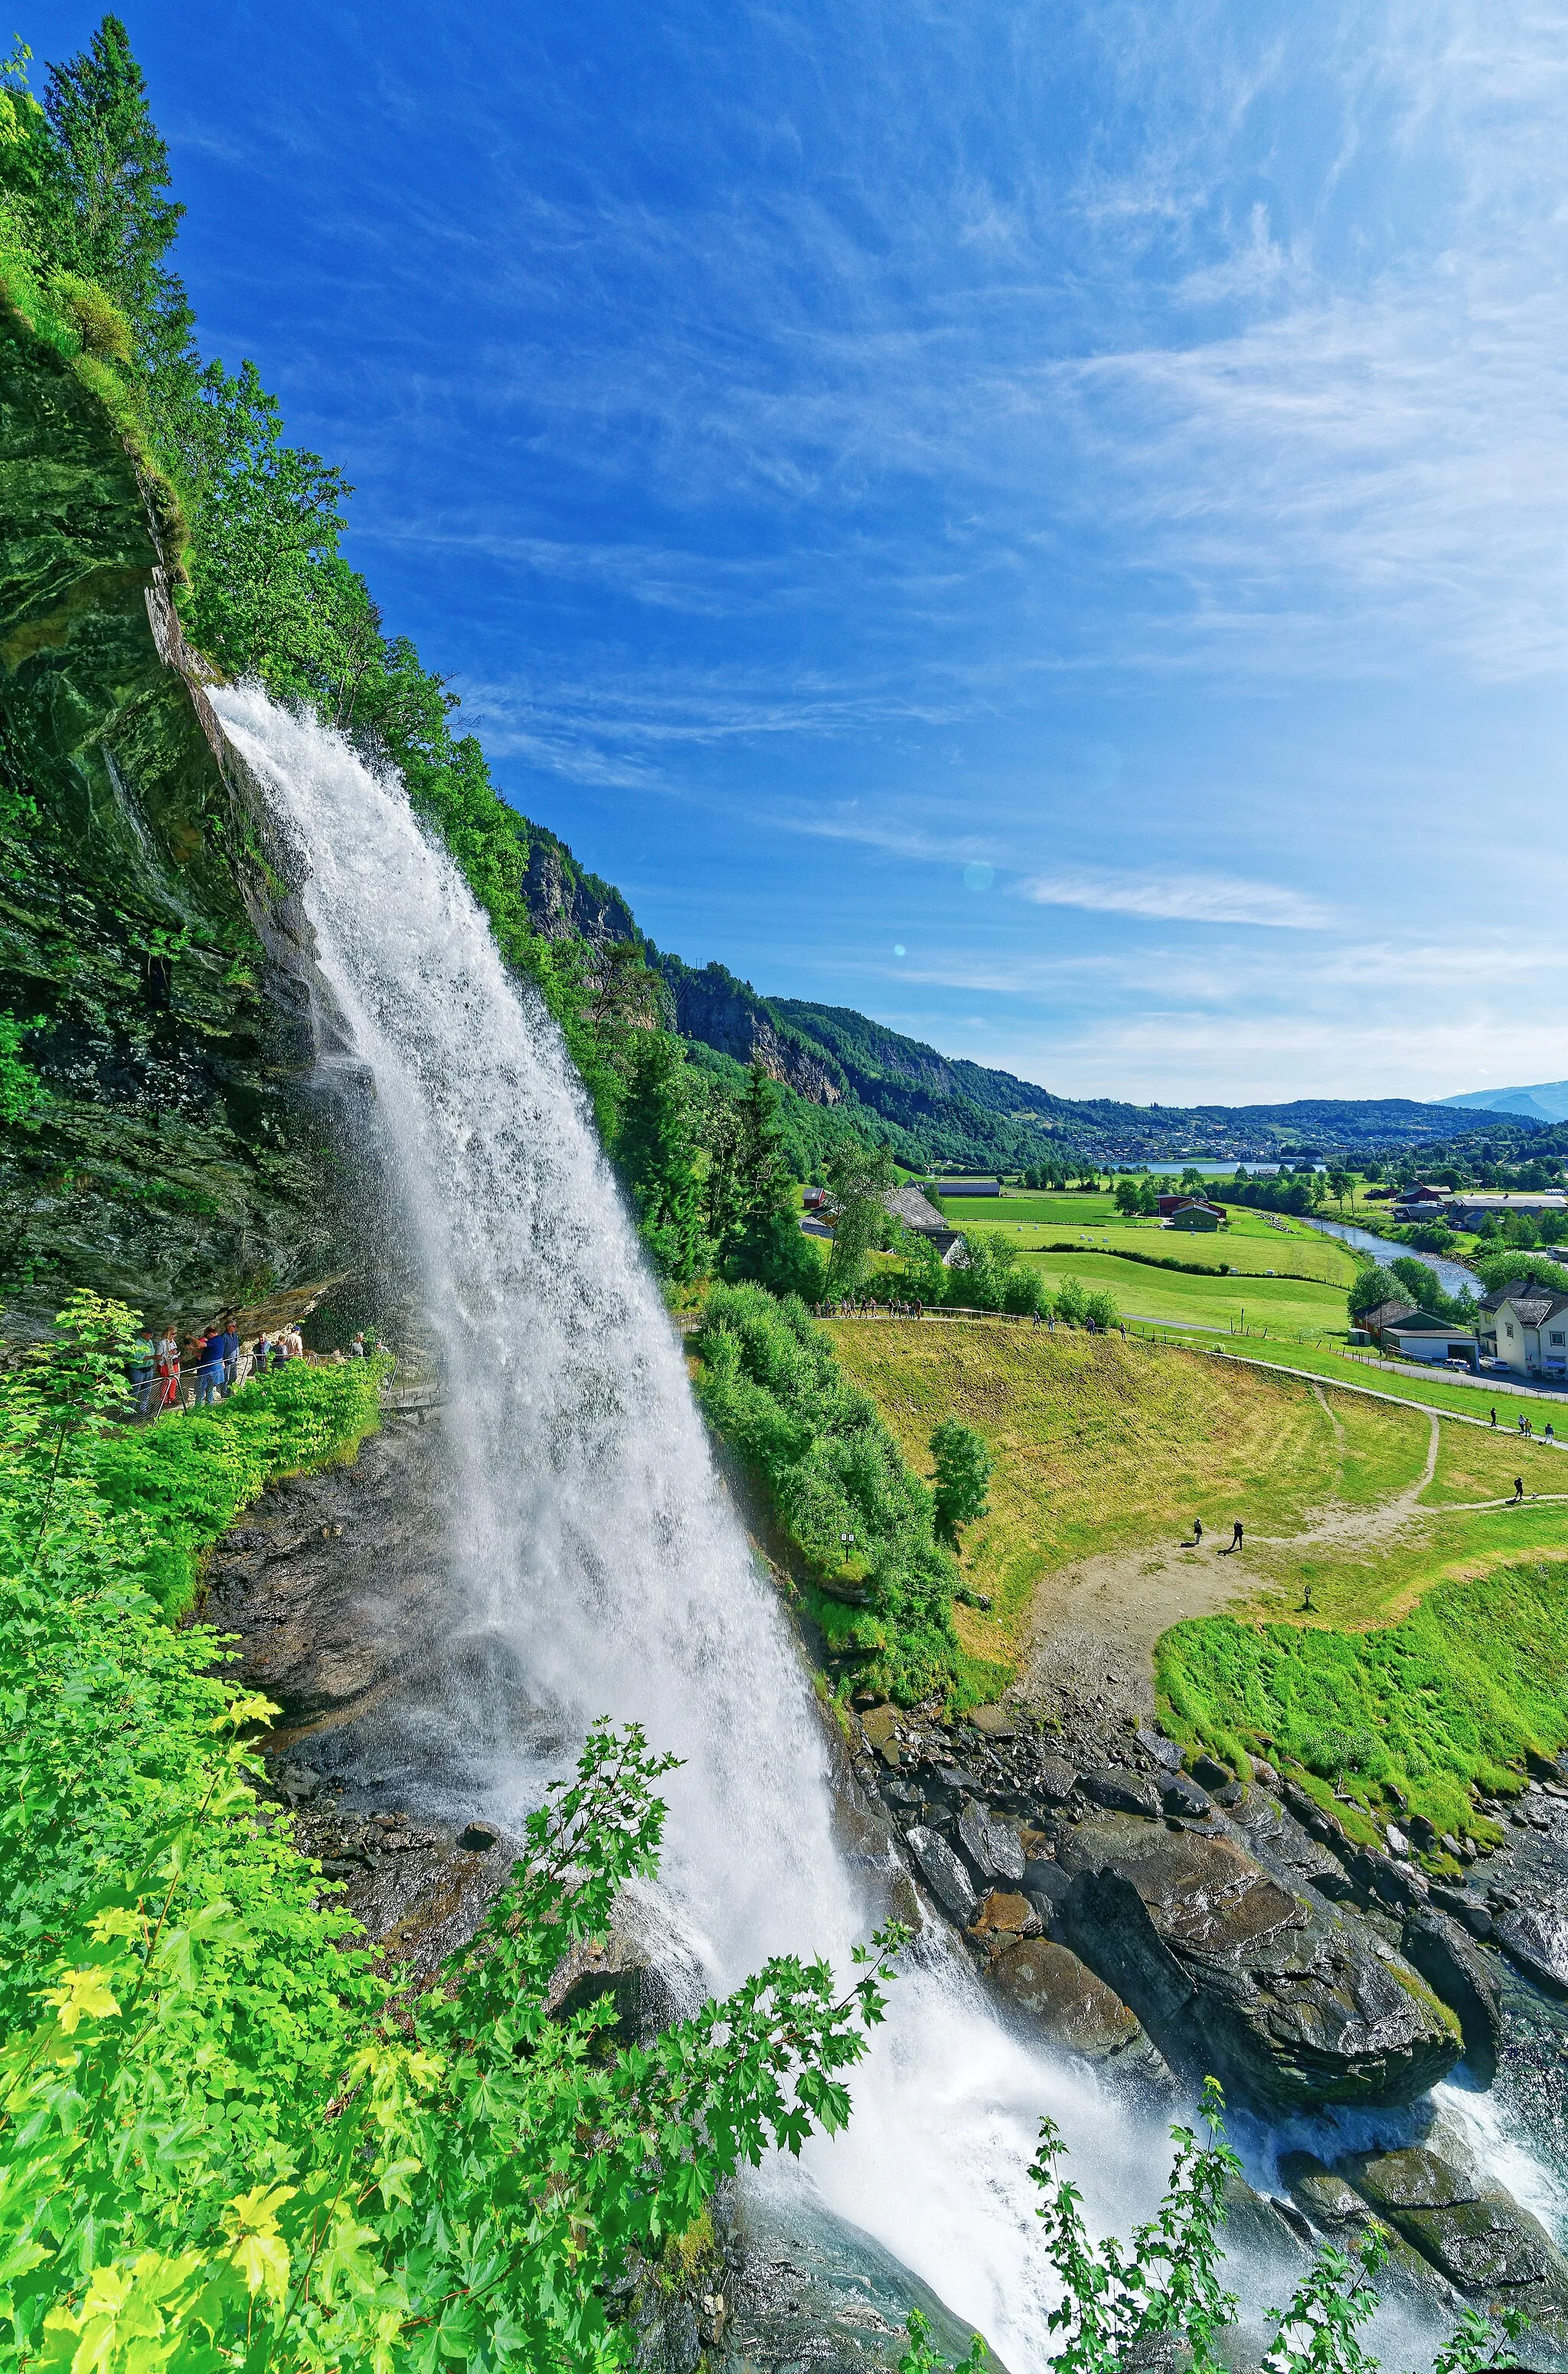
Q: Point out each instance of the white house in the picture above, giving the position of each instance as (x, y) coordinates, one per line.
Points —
(1525, 1326)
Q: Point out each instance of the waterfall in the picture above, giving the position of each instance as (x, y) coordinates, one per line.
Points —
(599, 1568)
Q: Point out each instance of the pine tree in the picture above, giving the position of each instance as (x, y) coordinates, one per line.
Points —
(654, 1153)
(107, 212)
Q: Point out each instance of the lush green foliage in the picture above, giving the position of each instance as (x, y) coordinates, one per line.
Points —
(190, 1474)
(1445, 1700)
(656, 1155)
(1373, 1285)
(749, 1196)
(859, 1517)
(858, 1178)
(222, 2143)
(1500, 1269)
(963, 1476)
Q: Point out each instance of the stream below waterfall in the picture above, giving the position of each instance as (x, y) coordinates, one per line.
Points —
(595, 1566)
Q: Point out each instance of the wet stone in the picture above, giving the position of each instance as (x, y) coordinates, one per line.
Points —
(1005, 1915)
(1231, 1971)
(1054, 1780)
(943, 1875)
(1122, 1793)
(1463, 1978)
(1538, 1941)
(1063, 2000)
(991, 1848)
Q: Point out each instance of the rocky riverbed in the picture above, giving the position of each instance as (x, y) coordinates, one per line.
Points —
(1162, 1924)
(1152, 1922)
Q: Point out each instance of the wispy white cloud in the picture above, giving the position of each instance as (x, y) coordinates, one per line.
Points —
(1179, 898)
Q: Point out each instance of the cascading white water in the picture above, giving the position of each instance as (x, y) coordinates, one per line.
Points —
(600, 1568)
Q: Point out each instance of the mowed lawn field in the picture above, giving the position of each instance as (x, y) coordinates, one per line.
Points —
(1247, 1245)
(1283, 1305)
(1104, 1446)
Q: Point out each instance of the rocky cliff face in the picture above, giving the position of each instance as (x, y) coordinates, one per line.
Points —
(566, 901)
(147, 935)
(721, 1012)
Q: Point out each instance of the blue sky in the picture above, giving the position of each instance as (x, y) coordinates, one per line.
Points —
(1045, 523)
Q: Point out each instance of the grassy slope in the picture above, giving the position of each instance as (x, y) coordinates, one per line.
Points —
(1101, 1446)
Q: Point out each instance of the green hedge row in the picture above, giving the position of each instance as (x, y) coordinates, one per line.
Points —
(772, 1389)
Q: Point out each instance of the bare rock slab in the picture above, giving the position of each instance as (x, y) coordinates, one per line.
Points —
(1236, 1974)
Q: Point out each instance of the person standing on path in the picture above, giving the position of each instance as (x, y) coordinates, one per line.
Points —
(1494, 1417)
(1518, 1488)
(1198, 1532)
(1235, 1536)
(169, 1370)
(144, 1374)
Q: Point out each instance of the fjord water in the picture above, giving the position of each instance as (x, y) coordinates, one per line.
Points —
(599, 1568)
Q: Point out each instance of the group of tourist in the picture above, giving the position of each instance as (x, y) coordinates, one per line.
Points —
(216, 1359)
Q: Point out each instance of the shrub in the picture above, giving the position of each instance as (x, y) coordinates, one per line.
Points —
(771, 1387)
(217, 2126)
(963, 1476)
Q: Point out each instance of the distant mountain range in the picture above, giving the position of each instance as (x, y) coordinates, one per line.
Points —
(842, 1073)
(1548, 1100)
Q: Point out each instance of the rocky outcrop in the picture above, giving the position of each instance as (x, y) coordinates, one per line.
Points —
(565, 902)
(182, 1160)
(1460, 1975)
(1473, 2233)
(721, 1012)
(1234, 1974)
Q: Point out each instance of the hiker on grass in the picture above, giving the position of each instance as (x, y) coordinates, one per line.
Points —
(1235, 1536)
(1518, 1488)
(1198, 1532)
(1494, 1417)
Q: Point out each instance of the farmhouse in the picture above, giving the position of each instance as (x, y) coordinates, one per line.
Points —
(1469, 1210)
(908, 1204)
(1419, 1335)
(1384, 1315)
(1187, 1212)
(1524, 1327)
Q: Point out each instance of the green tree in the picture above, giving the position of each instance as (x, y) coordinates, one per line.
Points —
(858, 1178)
(963, 1476)
(924, 1279)
(106, 210)
(656, 1157)
(758, 1232)
(1371, 1284)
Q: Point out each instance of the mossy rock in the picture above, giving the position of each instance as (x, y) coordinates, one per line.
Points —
(181, 1161)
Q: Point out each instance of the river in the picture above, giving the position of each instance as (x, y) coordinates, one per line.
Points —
(1451, 1276)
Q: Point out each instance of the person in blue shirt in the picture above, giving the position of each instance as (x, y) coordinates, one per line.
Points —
(228, 1345)
(209, 1368)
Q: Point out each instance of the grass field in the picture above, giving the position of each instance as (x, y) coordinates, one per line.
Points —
(1102, 1446)
(1286, 1306)
(1249, 1244)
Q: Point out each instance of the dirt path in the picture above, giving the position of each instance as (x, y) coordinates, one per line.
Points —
(1095, 1624)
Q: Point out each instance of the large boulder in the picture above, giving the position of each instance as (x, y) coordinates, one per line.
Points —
(1335, 2210)
(991, 1848)
(1464, 1978)
(1538, 1941)
(1233, 1973)
(1473, 2233)
(943, 1875)
(1122, 1792)
(1062, 2001)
